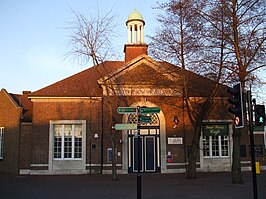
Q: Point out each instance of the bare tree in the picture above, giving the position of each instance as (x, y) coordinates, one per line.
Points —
(91, 40)
(244, 36)
(228, 45)
(185, 45)
(91, 37)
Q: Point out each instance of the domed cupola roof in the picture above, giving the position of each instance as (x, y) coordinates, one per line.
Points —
(135, 16)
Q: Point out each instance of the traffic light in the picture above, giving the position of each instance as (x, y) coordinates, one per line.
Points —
(259, 115)
(237, 102)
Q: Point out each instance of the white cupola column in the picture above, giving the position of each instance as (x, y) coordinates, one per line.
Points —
(139, 34)
(129, 41)
(142, 34)
(135, 28)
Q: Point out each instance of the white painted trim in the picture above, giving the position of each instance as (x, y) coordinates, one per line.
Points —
(216, 121)
(246, 162)
(39, 165)
(65, 99)
(258, 132)
(51, 159)
(24, 171)
(163, 143)
(33, 97)
(180, 164)
(230, 145)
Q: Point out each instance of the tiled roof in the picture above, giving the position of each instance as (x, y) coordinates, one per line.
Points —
(24, 102)
(83, 84)
(198, 86)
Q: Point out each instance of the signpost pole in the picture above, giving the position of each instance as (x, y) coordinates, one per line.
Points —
(139, 157)
(253, 164)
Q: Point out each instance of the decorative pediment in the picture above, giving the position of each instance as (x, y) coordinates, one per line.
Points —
(140, 90)
(142, 76)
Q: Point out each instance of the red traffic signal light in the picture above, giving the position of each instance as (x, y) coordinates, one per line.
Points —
(237, 105)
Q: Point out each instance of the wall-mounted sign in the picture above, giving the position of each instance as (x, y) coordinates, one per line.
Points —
(175, 140)
(214, 129)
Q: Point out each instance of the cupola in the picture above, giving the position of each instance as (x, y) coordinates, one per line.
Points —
(135, 43)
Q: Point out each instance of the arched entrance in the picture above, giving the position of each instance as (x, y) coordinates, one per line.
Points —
(150, 145)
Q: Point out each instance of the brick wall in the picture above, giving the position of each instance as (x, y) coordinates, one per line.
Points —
(10, 115)
(25, 146)
(44, 111)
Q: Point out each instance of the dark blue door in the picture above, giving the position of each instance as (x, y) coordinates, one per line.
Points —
(149, 154)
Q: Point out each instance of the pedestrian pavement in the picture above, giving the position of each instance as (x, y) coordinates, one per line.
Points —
(154, 186)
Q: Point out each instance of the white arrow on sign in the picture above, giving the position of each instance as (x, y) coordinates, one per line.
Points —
(126, 126)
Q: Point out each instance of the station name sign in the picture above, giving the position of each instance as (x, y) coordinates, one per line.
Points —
(140, 91)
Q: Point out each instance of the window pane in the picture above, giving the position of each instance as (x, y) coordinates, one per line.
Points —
(68, 141)
(215, 146)
(78, 141)
(206, 146)
(58, 141)
(224, 146)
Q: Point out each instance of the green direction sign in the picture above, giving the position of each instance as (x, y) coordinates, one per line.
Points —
(146, 110)
(126, 127)
(126, 110)
(145, 119)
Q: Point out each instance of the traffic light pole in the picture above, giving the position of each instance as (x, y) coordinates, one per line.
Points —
(253, 164)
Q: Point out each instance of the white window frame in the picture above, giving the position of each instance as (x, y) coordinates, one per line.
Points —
(73, 123)
(1, 143)
(226, 137)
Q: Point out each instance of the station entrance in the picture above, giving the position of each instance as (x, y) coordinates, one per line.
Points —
(149, 148)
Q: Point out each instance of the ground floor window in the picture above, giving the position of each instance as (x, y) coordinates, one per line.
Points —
(1, 142)
(215, 146)
(215, 140)
(67, 141)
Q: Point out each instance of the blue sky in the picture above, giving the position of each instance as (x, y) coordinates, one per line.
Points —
(34, 38)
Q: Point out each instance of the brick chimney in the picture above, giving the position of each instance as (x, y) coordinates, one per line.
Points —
(26, 93)
(133, 50)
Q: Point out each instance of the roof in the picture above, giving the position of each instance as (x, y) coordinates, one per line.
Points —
(24, 102)
(198, 85)
(143, 70)
(135, 15)
(83, 84)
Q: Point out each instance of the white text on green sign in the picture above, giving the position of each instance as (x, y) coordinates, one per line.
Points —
(145, 119)
(146, 110)
(215, 129)
(126, 127)
(126, 110)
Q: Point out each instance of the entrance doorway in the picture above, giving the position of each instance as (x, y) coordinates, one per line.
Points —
(149, 150)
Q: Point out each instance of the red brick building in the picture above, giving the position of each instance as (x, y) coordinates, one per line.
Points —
(66, 127)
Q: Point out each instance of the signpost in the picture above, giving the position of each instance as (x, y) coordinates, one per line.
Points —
(140, 111)
(127, 110)
(149, 110)
(145, 119)
(126, 127)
